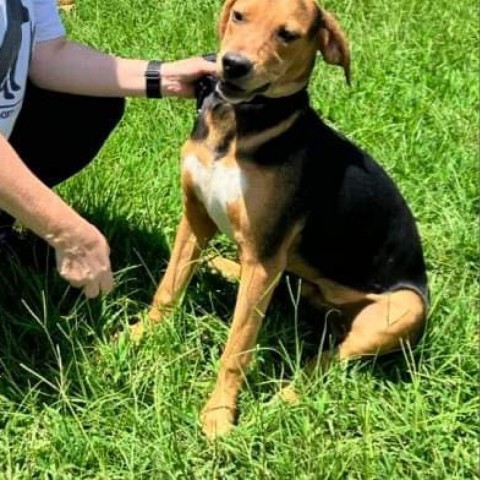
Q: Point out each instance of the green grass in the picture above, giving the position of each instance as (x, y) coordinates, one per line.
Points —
(74, 405)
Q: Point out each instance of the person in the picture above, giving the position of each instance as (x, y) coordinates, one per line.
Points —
(59, 102)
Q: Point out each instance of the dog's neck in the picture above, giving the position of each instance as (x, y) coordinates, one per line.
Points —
(251, 116)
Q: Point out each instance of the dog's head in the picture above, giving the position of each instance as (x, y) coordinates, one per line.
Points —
(269, 47)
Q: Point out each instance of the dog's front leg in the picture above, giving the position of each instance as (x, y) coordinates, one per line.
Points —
(257, 283)
(195, 230)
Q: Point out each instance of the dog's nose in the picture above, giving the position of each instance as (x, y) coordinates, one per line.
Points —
(235, 66)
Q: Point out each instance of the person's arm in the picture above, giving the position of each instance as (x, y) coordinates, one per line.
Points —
(82, 253)
(66, 66)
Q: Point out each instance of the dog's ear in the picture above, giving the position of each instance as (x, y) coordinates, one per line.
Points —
(333, 43)
(224, 16)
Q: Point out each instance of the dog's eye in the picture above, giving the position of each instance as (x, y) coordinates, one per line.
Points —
(237, 17)
(286, 35)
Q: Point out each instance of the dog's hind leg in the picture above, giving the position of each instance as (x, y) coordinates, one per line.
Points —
(391, 322)
(387, 325)
(229, 269)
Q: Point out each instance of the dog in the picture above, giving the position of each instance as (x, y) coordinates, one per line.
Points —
(294, 194)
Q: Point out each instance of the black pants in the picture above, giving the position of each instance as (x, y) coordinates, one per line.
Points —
(58, 134)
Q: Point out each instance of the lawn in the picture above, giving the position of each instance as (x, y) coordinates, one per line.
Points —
(74, 405)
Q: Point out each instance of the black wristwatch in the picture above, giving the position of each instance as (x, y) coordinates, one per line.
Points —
(153, 79)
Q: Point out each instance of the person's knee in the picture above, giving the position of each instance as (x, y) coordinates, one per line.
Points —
(111, 110)
(117, 110)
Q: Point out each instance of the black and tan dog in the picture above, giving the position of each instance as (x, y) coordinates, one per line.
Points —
(294, 195)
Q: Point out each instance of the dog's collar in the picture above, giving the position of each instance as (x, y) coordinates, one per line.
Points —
(206, 88)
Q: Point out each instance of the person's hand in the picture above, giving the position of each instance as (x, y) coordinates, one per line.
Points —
(83, 260)
(178, 77)
(81, 251)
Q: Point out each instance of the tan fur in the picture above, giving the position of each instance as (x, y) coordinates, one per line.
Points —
(229, 269)
(286, 66)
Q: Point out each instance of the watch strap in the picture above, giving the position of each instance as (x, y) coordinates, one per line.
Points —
(153, 79)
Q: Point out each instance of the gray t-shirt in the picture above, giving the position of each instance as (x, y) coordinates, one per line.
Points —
(23, 23)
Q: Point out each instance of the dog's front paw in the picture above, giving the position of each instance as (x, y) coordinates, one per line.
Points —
(133, 332)
(142, 323)
(217, 420)
(156, 314)
(288, 394)
(136, 330)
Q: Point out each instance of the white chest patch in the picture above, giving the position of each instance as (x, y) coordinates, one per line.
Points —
(216, 186)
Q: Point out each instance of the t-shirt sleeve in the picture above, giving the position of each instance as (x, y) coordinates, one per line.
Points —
(48, 24)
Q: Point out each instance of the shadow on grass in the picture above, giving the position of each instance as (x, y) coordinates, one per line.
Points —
(46, 325)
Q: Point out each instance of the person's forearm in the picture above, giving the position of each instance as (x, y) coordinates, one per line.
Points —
(66, 66)
(27, 199)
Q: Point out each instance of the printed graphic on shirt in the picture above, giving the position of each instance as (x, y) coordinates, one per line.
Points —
(15, 52)
(17, 15)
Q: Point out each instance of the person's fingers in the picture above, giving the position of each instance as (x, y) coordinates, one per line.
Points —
(92, 289)
(180, 89)
(107, 283)
(71, 275)
(187, 91)
(208, 67)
